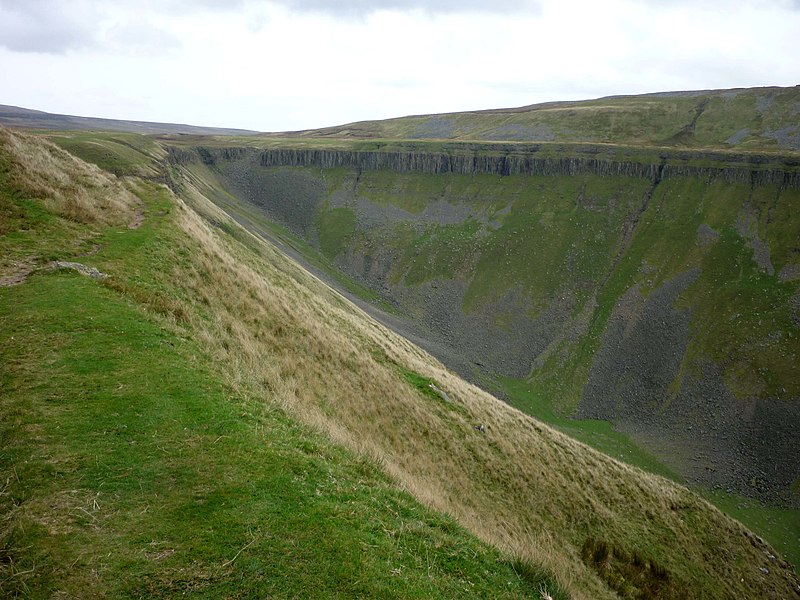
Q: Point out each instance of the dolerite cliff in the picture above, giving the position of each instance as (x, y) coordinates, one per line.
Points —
(656, 289)
(520, 159)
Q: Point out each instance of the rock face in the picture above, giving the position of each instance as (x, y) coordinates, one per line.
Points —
(699, 427)
(640, 355)
(519, 159)
(523, 161)
(657, 293)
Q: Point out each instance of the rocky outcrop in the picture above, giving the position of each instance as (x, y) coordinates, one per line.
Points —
(524, 159)
(462, 164)
(748, 170)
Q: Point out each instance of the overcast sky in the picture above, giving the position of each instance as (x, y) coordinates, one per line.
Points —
(290, 64)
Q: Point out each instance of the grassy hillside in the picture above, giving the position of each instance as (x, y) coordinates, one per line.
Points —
(376, 224)
(198, 355)
(141, 459)
(760, 119)
(519, 282)
(523, 276)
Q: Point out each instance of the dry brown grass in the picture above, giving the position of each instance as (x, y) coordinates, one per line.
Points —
(65, 185)
(279, 334)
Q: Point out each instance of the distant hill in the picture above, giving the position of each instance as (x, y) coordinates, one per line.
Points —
(14, 116)
(760, 119)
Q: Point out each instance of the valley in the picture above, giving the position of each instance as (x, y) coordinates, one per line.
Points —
(570, 283)
(630, 280)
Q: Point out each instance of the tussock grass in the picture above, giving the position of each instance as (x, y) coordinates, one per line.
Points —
(281, 334)
(137, 463)
(64, 184)
(279, 337)
(53, 205)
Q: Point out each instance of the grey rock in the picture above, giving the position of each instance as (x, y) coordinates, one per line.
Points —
(747, 227)
(80, 268)
(738, 137)
(789, 273)
(788, 137)
(706, 236)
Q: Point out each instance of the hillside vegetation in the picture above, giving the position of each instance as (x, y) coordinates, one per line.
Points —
(531, 277)
(204, 416)
(756, 119)
(145, 451)
(643, 276)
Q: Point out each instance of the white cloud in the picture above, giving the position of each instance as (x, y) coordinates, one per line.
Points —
(57, 27)
(41, 26)
(348, 8)
(271, 66)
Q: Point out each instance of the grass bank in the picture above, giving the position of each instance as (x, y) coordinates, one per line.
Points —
(270, 347)
(135, 467)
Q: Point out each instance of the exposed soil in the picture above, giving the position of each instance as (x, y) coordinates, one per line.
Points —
(18, 272)
(138, 219)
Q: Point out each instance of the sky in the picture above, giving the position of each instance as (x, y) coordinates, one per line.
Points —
(283, 65)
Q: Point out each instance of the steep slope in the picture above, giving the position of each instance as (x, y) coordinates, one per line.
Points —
(660, 296)
(138, 462)
(279, 338)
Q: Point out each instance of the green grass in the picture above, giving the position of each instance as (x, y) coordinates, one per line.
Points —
(422, 383)
(779, 526)
(750, 305)
(336, 227)
(551, 244)
(118, 153)
(428, 388)
(541, 229)
(131, 470)
(600, 435)
(142, 469)
(439, 252)
(415, 194)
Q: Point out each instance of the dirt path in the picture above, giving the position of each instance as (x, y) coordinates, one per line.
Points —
(18, 272)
